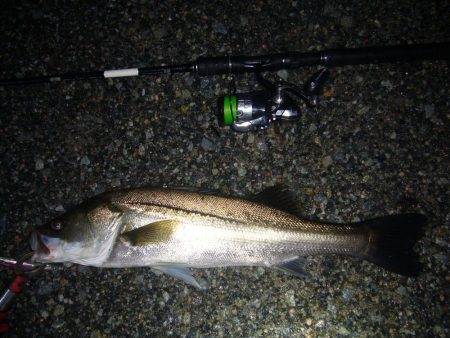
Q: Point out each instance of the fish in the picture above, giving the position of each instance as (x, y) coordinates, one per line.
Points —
(175, 229)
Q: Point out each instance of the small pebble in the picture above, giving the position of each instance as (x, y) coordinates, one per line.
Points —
(347, 22)
(85, 160)
(290, 297)
(343, 331)
(347, 295)
(242, 171)
(262, 146)
(141, 150)
(387, 84)
(60, 208)
(327, 161)
(401, 291)
(320, 323)
(187, 318)
(219, 28)
(243, 19)
(291, 311)
(284, 74)
(359, 79)
(59, 310)
(207, 145)
(429, 110)
(39, 164)
(159, 33)
(166, 296)
(251, 138)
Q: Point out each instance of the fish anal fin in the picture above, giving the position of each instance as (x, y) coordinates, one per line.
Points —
(278, 197)
(183, 273)
(294, 267)
(156, 232)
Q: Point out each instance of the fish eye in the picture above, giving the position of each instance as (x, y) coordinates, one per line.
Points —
(56, 225)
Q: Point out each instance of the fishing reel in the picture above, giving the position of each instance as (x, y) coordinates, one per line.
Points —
(278, 101)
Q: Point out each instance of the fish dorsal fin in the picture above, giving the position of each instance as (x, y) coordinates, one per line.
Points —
(278, 197)
(294, 267)
(156, 232)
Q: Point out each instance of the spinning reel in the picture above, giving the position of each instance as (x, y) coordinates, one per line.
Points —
(278, 101)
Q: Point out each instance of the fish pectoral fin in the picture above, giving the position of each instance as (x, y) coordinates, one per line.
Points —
(185, 274)
(295, 267)
(156, 232)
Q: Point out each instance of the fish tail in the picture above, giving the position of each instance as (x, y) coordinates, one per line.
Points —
(391, 240)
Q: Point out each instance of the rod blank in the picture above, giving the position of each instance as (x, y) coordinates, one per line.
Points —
(205, 66)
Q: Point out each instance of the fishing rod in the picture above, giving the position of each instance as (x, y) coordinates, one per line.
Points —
(279, 100)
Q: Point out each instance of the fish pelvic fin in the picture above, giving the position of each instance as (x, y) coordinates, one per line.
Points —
(294, 267)
(183, 273)
(391, 240)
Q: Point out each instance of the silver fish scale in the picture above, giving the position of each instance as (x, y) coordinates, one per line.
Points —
(219, 231)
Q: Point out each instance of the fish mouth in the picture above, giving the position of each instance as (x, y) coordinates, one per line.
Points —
(37, 245)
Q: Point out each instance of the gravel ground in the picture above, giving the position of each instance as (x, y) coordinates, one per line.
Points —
(377, 144)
